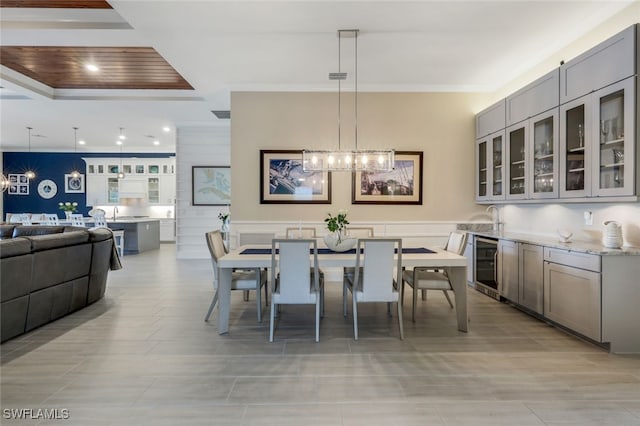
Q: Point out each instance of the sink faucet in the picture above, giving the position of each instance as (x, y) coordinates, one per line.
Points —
(115, 212)
(496, 217)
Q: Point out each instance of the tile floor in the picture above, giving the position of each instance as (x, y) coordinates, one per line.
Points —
(144, 356)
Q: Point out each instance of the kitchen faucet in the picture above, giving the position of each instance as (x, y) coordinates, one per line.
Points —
(496, 217)
(115, 212)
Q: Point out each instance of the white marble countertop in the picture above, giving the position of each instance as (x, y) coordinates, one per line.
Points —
(549, 241)
(133, 220)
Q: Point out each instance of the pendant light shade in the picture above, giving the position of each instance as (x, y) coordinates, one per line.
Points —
(121, 174)
(348, 160)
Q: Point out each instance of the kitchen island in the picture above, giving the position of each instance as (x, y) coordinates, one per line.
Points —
(140, 234)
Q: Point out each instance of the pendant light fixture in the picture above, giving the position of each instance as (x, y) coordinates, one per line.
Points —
(348, 160)
(121, 174)
(75, 173)
(30, 174)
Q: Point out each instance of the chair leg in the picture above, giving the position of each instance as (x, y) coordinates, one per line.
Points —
(446, 294)
(318, 303)
(245, 295)
(400, 321)
(272, 320)
(344, 297)
(355, 315)
(424, 294)
(259, 303)
(266, 293)
(415, 296)
(322, 297)
(213, 304)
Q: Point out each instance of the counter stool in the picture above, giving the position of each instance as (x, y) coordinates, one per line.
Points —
(118, 240)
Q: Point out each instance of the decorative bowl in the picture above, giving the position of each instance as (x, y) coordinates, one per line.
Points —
(344, 244)
(565, 235)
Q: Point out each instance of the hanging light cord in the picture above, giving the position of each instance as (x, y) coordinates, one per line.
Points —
(356, 90)
(339, 91)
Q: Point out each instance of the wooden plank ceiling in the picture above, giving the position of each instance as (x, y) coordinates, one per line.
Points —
(57, 4)
(119, 67)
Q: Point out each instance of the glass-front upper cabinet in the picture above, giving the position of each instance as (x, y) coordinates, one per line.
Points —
(544, 149)
(153, 190)
(596, 136)
(517, 143)
(482, 192)
(490, 170)
(614, 120)
(575, 148)
(113, 191)
(497, 169)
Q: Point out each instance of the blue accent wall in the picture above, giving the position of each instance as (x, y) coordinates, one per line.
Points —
(53, 166)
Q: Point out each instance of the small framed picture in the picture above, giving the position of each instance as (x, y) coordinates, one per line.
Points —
(18, 184)
(211, 185)
(73, 185)
(283, 181)
(402, 185)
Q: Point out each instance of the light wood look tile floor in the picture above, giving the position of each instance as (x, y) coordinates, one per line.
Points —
(144, 356)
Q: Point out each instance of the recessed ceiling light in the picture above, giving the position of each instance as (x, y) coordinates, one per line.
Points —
(81, 142)
(156, 142)
(118, 142)
(92, 67)
(166, 129)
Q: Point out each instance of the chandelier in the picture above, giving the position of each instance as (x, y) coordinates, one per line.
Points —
(354, 159)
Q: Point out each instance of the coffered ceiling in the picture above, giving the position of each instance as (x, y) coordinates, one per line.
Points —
(215, 47)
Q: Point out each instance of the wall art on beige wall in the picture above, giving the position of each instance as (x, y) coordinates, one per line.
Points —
(402, 185)
(282, 180)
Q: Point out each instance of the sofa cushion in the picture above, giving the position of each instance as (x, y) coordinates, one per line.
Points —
(14, 247)
(46, 242)
(100, 234)
(29, 230)
(15, 276)
(6, 231)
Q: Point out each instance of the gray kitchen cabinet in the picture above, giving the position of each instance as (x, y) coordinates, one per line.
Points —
(572, 291)
(533, 99)
(490, 173)
(543, 151)
(517, 163)
(508, 273)
(531, 277)
(611, 61)
(491, 119)
(598, 143)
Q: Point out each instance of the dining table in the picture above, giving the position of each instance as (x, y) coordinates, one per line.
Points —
(259, 256)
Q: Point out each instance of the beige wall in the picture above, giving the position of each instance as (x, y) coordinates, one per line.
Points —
(439, 124)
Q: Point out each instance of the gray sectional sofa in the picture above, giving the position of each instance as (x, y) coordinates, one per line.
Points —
(47, 272)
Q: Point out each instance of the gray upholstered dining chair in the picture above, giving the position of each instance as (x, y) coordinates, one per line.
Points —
(366, 232)
(295, 278)
(423, 278)
(377, 276)
(246, 279)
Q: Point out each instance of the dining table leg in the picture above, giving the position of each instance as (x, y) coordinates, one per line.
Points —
(224, 299)
(458, 279)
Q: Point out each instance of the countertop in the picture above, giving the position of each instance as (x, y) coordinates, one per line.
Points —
(550, 241)
(133, 220)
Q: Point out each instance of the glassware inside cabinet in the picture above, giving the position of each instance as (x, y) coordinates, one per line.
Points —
(497, 165)
(482, 169)
(154, 190)
(612, 140)
(543, 162)
(112, 190)
(516, 161)
(575, 148)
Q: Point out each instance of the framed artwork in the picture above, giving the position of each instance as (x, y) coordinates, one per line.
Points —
(18, 184)
(210, 185)
(402, 185)
(283, 181)
(73, 185)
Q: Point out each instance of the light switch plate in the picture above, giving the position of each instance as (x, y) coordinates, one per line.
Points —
(588, 218)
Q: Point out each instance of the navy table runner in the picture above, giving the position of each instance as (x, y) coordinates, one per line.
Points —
(405, 250)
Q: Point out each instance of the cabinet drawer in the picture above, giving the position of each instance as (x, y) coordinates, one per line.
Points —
(586, 261)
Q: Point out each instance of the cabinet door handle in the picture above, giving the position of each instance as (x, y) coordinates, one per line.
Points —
(495, 266)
